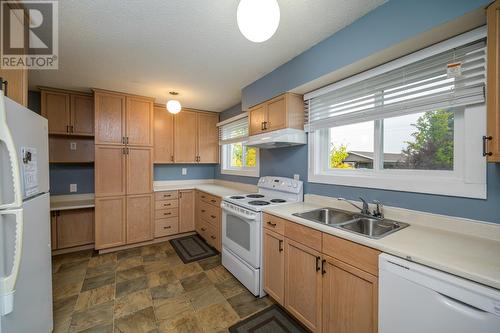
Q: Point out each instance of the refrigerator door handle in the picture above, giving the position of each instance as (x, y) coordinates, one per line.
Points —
(8, 283)
(6, 137)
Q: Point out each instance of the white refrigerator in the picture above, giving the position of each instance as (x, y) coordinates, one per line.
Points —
(25, 255)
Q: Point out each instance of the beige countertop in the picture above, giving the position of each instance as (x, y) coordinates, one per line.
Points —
(71, 201)
(217, 188)
(474, 258)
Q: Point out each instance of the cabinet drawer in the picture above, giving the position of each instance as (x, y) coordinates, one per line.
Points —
(210, 199)
(166, 195)
(303, 235)
(166, 204)
(166, 227)
(359, 256)
(209, 213)
(213, 237)
(274, 223)
(202, 229)
(165, 213)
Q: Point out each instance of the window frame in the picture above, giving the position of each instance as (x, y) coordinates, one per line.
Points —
(468, 179)
(227, 169)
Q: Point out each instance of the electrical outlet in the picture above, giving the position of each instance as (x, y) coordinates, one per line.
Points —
(73, 188)
(72, 145)
(184, 171)
(296, 176)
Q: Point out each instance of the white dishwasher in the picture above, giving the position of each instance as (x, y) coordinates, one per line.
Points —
(417, 299)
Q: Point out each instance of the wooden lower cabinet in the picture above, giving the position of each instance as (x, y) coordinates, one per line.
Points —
(110, 222)
(139, 218)
(72, 228)
(274, 265)
(303, 284)
(208, 219)
(350, 298)
(186, 210)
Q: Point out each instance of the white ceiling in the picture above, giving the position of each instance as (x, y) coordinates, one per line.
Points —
(190, 46)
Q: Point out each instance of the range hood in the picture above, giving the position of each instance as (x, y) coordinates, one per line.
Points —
(276, 139)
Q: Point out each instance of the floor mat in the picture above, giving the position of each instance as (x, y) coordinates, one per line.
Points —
(192, 248)
(271, 320)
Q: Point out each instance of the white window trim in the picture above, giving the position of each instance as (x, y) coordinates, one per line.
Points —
(468, 179)
(243, 171)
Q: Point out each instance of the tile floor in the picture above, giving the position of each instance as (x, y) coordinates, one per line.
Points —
(146, 290)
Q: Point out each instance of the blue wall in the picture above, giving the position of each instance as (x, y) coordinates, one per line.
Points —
(387, 25)
(174, 172)
(61, 175)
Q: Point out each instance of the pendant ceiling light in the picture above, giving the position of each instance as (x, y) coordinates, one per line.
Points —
(173, 105)
(258, 20)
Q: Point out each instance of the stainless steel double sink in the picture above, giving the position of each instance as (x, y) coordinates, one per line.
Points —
(367, 226)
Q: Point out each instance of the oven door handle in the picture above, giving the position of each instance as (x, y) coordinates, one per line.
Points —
(243, 216)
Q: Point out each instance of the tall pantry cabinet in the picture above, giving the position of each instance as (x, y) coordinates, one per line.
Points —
(123, 169)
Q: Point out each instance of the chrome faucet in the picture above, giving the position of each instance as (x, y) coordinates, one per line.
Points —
(379, 210)
(365, 210)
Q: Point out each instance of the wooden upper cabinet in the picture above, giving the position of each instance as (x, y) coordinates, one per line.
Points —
(17, 84)
(109, 118)
(139, 121)
(283, 111)
(350, 298)
(139, 170)
(493, 86)
(256, 118)
(274, 265)
(56, 108)
(82, 115)
(303, 282)
(186, 210)
(163, 135)
(110, 222)
(185, 137)
(208, 138)
(68, 112)
(110, 170)
(139, 218)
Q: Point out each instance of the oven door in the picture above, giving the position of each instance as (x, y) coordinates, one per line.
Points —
(242, 235)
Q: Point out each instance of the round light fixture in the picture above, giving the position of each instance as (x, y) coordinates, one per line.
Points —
(173, 105)
(258, 20)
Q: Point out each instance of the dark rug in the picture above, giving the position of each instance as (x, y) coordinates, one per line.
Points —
(271, 320)
(192, 248)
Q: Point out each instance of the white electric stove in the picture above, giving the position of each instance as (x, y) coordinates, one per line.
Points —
(242, 227)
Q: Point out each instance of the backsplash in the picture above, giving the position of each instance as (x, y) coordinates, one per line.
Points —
(174, 171)
(62, 175)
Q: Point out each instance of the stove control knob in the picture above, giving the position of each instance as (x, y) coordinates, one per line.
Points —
(289, 184)
(295, 185)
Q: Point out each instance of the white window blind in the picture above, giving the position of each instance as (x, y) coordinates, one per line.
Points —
(424, 85)
(235, 131)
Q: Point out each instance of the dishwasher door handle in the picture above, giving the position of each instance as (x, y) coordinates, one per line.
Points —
(462, 307)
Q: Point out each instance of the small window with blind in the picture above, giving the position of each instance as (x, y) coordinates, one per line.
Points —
(237, 158)
(415, 124)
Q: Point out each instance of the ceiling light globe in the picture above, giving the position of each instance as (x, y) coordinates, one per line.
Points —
(258, 20)
(174, 106)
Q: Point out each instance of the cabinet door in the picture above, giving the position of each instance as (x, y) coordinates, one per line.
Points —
(349, 298)
(493, 103)
(53, 230)
(303, 284)
(110, 219)
(139, 170)
(186, 211)
(109, 118)
(163, 136)
(110, 170)
(82, 115)
(17, 80)
(139, 122)
(185, 137)
(274, 265)
(208, 138)
(276, 114)
(139, 218)
(75, 227)
(256, 118)
(56, 108)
